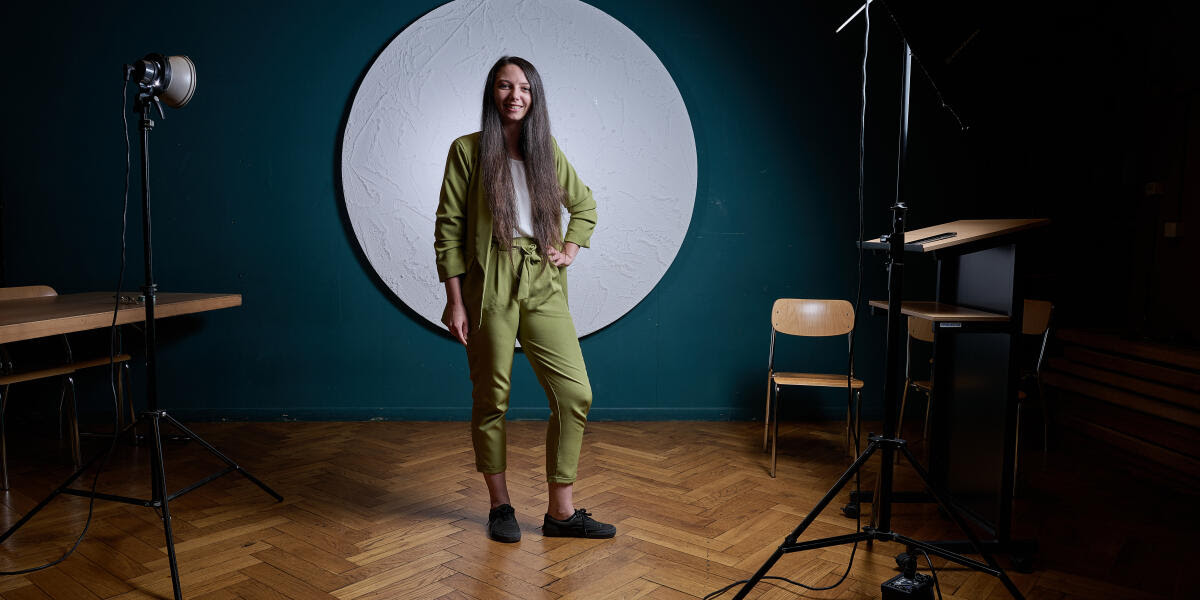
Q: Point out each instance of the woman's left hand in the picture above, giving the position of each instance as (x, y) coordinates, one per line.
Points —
(564, 257)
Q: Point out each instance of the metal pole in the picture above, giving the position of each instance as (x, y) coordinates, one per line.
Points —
(905, 94)
(148, 290)
(893, 376)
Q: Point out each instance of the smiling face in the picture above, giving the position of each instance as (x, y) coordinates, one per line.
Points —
(511, 92)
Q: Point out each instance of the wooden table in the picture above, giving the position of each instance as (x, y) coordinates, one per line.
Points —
(30, 318)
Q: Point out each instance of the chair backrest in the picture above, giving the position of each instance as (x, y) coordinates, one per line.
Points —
(1036, 319)
(26, 291)
(812, 318)
(922, 329)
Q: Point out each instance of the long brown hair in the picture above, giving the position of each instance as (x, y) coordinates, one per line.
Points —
(538, 149)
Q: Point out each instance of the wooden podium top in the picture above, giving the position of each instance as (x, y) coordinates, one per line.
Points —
(964, 232)
(51, 315)
(939, 312)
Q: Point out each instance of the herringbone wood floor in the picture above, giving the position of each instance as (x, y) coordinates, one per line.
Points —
(395, 510)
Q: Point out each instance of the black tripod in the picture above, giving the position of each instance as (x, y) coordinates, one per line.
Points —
(153, 415)
(890, 442)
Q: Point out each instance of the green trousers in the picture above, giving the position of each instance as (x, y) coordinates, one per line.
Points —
(524, 301)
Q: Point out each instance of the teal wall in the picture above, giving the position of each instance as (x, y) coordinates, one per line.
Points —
(246, 200)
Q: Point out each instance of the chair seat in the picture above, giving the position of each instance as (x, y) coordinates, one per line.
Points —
(60, 370)
(815, 380)
(924, 386)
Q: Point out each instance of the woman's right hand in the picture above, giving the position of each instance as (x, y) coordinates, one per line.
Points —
(455, 319)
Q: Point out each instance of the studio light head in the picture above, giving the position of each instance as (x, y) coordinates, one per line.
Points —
(169, 78)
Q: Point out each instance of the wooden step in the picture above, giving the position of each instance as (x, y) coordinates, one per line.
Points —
(1140, 398)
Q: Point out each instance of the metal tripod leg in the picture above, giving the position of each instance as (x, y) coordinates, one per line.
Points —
(217, 453)
(812, 516)
(870, 533)
(159, 484)
(45, 501)
(951, 510)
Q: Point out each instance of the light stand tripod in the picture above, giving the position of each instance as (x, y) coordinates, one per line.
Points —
(153, 415)
(889, 443)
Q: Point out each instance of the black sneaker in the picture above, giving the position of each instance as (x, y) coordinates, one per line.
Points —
(580, 525)
(502, 525)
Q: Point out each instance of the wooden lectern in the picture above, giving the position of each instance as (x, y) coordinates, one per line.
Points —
(976, 314)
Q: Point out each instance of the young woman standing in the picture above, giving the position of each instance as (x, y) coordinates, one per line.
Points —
(502, 255)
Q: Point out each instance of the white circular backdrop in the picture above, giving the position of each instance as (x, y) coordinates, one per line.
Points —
(614, 110)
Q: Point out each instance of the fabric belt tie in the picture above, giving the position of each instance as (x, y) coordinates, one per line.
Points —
(530, 261)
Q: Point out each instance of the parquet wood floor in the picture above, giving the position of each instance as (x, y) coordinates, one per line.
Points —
(390, 510)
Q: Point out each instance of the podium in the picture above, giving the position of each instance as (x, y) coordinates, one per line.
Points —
(976, 313)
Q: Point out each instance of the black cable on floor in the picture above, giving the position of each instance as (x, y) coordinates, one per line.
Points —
(933, 571)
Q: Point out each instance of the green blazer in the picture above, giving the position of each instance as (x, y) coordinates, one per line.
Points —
(462, 232)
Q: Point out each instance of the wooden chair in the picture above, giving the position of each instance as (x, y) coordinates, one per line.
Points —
(922, 331)
(10, 374)
(807, 318)
(1035, 323)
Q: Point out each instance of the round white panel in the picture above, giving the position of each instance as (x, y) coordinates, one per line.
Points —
(614, 109)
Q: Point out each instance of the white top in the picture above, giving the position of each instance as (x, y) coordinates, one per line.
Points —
(524, 227)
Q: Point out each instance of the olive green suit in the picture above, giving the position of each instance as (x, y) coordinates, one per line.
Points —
(511, 297)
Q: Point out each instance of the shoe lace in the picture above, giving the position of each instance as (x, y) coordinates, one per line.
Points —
(585, 517)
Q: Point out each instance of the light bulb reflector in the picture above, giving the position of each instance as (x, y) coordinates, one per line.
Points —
(182, 85)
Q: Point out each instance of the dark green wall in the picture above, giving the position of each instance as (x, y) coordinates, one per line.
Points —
(246, 200)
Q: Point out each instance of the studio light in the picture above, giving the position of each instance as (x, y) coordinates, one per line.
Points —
(171, 78)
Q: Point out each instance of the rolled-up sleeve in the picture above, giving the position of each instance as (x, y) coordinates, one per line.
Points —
(577, 198)
(450, 224)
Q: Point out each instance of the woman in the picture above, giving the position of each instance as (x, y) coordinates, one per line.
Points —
(502, 255)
